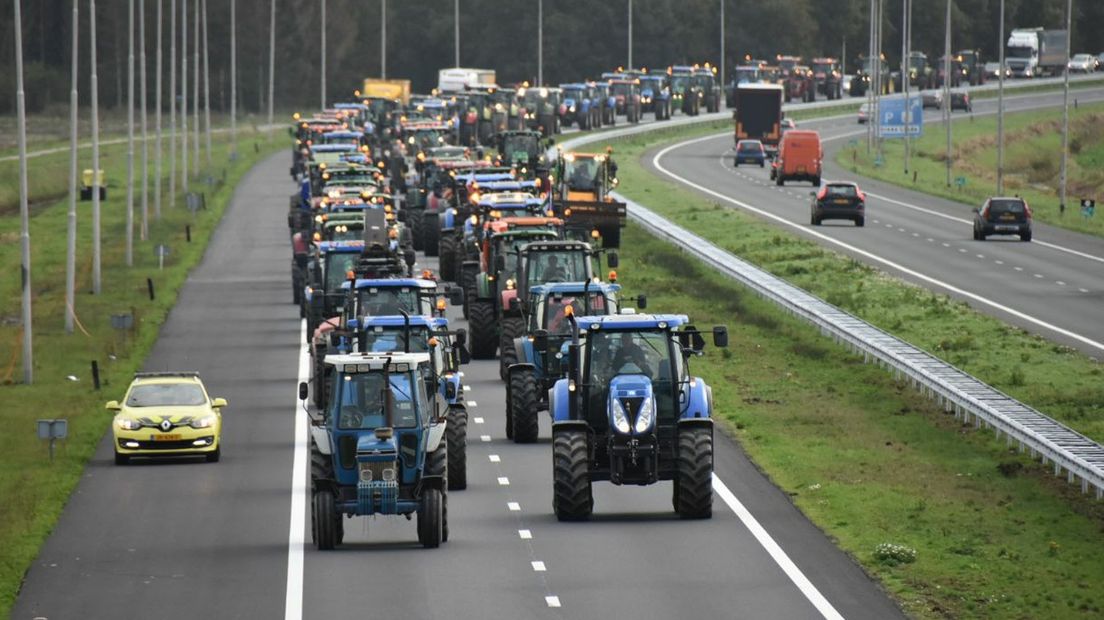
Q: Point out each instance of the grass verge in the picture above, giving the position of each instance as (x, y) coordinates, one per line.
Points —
(873, 463)
(33, 490)
(1033, 145)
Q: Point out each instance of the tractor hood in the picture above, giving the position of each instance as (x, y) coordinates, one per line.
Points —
(371, 449)
(631, 405)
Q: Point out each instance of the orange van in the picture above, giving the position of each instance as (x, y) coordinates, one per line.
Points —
(799, 157)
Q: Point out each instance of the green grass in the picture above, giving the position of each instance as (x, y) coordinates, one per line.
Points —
(1032, 163)
(33, 491)
(868, 459)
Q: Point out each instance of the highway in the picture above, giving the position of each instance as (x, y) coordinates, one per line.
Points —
(1053, 286)
(190, 539)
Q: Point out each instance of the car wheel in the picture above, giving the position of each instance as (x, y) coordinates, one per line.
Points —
(860, 222)
(736, 163)
(813, 220)
(1025, 236)
(762, 164)
(213, 457)
(121, 459)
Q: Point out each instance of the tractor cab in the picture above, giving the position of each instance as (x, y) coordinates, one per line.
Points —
(326, 272)
(378, 447)
(581, 196)
(628, 411)
(521, 149)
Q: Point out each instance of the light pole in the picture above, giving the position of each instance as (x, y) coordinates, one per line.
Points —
(906, 42)
(722, 45)
(233, 79)
(271, 59)
(1000, 107)
(157, 121)
(195, 87)
(172, 105)
(455, 31)
(144, 229)
(323, 54)
(96, 262)
(383, 39)
(24, 209)
(1065, 112)
(629, 66)
(206, 90)
(947, 89)
(71, 238)
(184, 96)
(540, 42)
(130, 137)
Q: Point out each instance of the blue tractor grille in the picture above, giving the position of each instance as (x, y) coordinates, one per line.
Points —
(377, 497)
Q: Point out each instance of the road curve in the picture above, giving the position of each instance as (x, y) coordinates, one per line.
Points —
(1053, 286)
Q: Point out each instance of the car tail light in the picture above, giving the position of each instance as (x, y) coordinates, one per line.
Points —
(822, 193)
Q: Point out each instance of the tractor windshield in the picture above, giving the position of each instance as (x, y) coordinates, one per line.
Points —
(621, 89)
(553, 313)
(575, 94)
(383, 339)
(361, 401)
(581, 174)
(654, 83)
(747, 74)
(643, 352)
(338, 264)
(563, 266)
(679, 83)
(520, 147)
(345, 232)
(823, 68)
(390, 301)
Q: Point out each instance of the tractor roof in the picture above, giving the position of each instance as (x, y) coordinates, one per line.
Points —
(341, 247)
(506, 199)
(626, 322)
(559, 245)
(374, 362)
(573, 288)
(352, 135)
(526, 226)
(333, 148)
(393, 283)
(401, 321)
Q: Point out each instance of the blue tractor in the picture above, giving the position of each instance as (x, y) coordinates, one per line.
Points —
(628, 411)
(655, 95)
(537, 351)
(579, 106)
(379, 448)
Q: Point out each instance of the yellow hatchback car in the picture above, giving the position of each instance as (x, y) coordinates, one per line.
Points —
(167, 414)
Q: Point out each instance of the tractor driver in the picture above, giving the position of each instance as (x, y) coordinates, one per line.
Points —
(583, 173)
(629, 355)
(553, 271)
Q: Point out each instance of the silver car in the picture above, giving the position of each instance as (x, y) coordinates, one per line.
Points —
(1082, 63)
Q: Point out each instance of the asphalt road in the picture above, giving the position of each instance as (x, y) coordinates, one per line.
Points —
(191, 539)
(1053, 286)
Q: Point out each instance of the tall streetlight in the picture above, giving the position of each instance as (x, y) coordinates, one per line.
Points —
(629, 66)
(184, 95)
(233, 79)
(722, 44)
(71, 236)
(1000, 106)
(24, 209)
(906, 42)
(195, 87)
(540, 42)
(130, 137)
(323, 54)
(94, 81)
(455, 32)
(947, 89)
(206, 89)
(157, 121)
(144, 229)
(172, 105)
(271, 59)
(383, 39)
(1065, 112)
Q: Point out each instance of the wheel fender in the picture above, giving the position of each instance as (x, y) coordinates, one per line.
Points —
(433, 482)
(696, 423)
(435, 436)
(520, 366)
(699, 402)
(570, 425)
(525, 352)
(452, 385)
(558, 403)
(321, 438)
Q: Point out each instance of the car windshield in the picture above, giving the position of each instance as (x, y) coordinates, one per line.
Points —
(559, 266)
(388, 301)
(361, 400)
(383, 339)
(999, 207)
(847, 191)
(166, 395)
(554, 317)
(337, 266)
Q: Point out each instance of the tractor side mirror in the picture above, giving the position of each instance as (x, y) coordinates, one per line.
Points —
(409, 257)
(461, 337)
(303, 390)
(697, 342)
(720, 336)
(112, 405)
(612, 260)
(641, 301)
(540, 340)
(456, 296)
(463, 354)
(500, 263)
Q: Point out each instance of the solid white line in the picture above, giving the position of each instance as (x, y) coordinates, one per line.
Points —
(538, 566)
(777, 554)
(513, 506)
(553, 601)
(525, 534)
(293, 600)
(851, 248)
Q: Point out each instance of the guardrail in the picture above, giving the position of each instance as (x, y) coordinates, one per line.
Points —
(1045, 438)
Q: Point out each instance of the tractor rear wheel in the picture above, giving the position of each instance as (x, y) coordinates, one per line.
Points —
(416, 221)
(511, 327)
(482, 323)
(324, 520)
(523, 405)
(456, 431)
(431, 233)
(446, 261)
(430, 518)
(571, 495)
(693, 494)
(468, 275)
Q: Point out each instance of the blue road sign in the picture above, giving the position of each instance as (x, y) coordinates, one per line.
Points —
(891, 113)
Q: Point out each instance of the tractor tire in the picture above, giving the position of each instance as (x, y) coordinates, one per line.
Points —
(572, 499)
(468, 277)
(431, 234)
(457, 433)
(693, 494)
(509, 328)
(484, 341)
(122, 459)
(324, 520)
(437, 465)
(431, 518)
(446, 261)
(416, 223)
(523, 406)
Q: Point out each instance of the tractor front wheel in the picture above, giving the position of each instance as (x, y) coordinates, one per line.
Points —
(324, 520)
(482, 323)
(693, 493)
(522, 410)
(571, 494)
(431, 233)
(456, 431)
(430, 519)
(512, 327)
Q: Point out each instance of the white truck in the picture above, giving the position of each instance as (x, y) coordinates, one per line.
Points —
(1033, 52)
(457, 79)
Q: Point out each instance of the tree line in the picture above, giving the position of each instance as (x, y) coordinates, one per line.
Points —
(581, 39)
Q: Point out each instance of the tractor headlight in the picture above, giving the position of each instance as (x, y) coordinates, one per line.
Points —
(206, 421)
(620, 420)
(128, 425)
(645, 416)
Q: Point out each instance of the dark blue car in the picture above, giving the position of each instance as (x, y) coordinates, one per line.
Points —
(750, 152)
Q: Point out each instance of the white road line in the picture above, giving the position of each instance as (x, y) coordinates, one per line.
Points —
(503, 481)
(1060, 283)
(538, 566)
(946, 245)
(1018, 268)
(467, 388)
(1038, 275)
(293, 598)
(981, 256)
(999, 262)
(484, 438)
(553, 601)
(477, 420)
(472, 403)
(855, 249)
(777, 554)
(915, 234)
(513, 506)
(963, 250)
(494, 458)
(930, 240)
(525, 534)
(1083, 290)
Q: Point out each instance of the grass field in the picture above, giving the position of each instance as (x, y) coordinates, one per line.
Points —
(872, 463)
(32, 489)
(1032, 162)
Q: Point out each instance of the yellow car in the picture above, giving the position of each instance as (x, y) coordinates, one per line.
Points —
(167, 414)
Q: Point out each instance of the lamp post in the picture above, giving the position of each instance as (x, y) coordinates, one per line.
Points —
(24, 209)
(71, 224)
